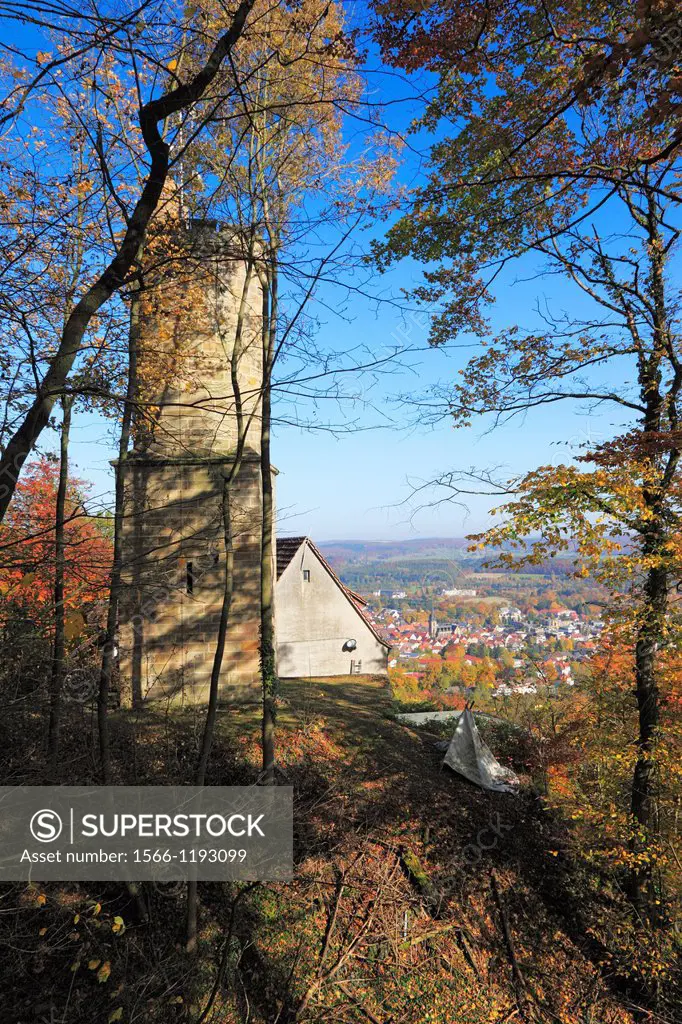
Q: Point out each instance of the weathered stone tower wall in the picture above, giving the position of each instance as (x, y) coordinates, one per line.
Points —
(186, 436)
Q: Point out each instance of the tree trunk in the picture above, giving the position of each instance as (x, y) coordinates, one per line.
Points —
(228, 588)
(228, 584)
(654, 536)
(108, 652)
(644, 780)
(59, 647)
(212, 709)
(152, 115)
(267, 617)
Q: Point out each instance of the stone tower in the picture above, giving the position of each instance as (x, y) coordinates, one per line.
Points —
(195, 372)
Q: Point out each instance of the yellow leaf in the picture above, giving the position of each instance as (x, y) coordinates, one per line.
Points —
(104, 972)
(42, 931)
(74, 625)
(93, 964)
(42, 900)
(116, 1015)
(118, 925)
(76, 919)
(172, 65)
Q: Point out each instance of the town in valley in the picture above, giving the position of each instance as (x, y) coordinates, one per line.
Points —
(458, 628)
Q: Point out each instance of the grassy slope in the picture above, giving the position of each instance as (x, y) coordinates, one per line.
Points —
(417, 897)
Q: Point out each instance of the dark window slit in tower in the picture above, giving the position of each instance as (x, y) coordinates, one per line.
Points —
(190, 578)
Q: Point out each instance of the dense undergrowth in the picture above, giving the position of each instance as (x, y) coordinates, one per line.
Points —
(417, 897)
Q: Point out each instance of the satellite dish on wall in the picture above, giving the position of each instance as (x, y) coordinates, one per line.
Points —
(350, 645)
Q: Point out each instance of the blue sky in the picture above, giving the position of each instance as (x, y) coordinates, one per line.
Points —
(354, 486)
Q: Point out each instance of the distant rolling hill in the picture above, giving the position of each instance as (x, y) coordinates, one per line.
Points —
(387, 550)
(443, 562)
(432, 562)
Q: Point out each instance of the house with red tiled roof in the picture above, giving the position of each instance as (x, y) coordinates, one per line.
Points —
(322, 628)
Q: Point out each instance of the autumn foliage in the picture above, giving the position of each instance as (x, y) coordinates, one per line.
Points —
(27, 542)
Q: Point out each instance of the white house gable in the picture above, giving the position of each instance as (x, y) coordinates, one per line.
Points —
(321, 630)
